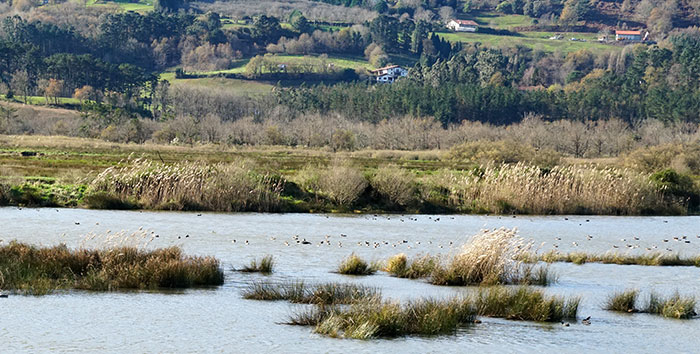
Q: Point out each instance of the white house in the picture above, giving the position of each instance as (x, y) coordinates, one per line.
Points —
(463, 25)
(389, 73)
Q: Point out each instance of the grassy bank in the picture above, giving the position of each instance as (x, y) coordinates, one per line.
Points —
(375, 318)
(42, 270)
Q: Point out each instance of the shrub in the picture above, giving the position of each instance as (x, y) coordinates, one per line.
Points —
(395, 184)
(341, 184)
(422, 267)
(504, 151)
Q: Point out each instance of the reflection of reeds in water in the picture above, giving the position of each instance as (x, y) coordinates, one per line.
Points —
(35, 270)
(186, 186)
(378, 318)
(488, 258)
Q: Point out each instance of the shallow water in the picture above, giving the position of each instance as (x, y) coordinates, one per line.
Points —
(219, 320)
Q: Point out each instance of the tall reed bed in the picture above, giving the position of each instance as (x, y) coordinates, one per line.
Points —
(576, 189)
(674, 306)
(41, 270)
(488, 258)
(186, 186)
(379, 318)
(648, 259)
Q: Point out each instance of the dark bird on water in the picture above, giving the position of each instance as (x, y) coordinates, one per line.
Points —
(586, 320)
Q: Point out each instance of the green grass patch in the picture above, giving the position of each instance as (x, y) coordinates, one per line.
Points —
(648, 259)
(674, 306)
(534, 40)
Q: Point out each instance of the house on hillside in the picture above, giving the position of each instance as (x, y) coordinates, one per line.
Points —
(630, 36)
(463, 25)
(389, 73)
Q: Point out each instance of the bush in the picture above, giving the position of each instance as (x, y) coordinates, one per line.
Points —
(265, 266)
(394, 184)
(341, 184)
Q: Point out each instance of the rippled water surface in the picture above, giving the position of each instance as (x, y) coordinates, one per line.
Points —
(219, 320)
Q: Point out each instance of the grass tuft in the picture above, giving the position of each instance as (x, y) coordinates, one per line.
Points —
(524, 303)
(675, 306)
(354, 265)
(264, 266)
(299, 292)
(624, 301)
(400, 267)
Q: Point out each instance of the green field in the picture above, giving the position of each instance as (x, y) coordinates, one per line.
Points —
(241, 87)
(40, 100)
(141, 6)
(534, 40)
(501, 21)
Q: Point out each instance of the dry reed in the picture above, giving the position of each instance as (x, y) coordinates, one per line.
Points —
(188, 186)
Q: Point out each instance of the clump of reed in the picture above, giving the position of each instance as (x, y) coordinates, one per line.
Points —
(299, 292)
(524, 303)
(264, 266)
(399, 266)
(373, 319)
(377, 318)
(647, 259)
(187, 186)
(562, 189)
(674, 306)
(42, 270)
(492, 257)
(623, 301)
(354, 265)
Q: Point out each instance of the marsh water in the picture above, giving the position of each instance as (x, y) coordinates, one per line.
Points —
(219, 320)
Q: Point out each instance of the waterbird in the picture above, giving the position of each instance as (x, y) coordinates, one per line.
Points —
(586, 320)
(199, 214)
(565, 324)
(3, 296)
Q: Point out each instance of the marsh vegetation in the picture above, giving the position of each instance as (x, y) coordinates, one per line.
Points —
(381, 318)
(673, 306)
(41, 270)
